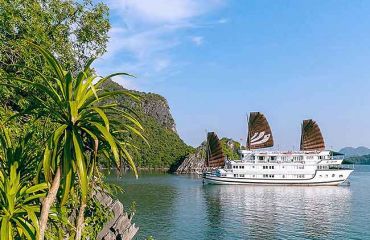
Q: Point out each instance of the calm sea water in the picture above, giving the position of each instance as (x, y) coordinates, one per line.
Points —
(181, 207)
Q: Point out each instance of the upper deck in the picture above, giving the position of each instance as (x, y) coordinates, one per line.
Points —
(326, 156)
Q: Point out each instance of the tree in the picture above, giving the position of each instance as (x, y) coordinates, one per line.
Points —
(75, 31)
(82, 127)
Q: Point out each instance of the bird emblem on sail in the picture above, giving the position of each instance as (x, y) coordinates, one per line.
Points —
(259, 138)
(259, 132)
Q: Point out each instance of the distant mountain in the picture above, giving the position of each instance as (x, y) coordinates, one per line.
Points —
(355, 152)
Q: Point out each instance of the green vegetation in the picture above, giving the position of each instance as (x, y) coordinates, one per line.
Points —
(230, 148)
(81, 127)
(19, 200)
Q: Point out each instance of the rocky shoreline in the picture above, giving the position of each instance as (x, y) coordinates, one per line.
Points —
(194, 162)
(120, 226)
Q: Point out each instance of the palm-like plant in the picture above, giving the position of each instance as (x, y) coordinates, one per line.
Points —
(19, 200)
(76, 105)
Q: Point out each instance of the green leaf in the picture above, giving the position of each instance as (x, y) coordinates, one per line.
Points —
(81, 167)
(130, 161)
(103, 116)
(37, 188)
(109, 138)
(67, 168)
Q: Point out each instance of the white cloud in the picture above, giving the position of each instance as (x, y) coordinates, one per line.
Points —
(223, 20)
(161, 64)
(197, 40)
(145, 31)
(164, 11)
(128, 83)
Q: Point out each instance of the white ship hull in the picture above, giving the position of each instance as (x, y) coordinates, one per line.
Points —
(321, 178)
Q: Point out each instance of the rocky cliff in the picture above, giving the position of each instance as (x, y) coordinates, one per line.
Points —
(157, 107)
(166, 148)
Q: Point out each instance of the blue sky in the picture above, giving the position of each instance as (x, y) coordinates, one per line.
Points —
(216, 60)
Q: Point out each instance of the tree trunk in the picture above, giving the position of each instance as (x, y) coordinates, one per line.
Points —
(48, 201)
(80, 221)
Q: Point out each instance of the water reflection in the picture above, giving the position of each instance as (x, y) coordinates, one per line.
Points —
(271, 212)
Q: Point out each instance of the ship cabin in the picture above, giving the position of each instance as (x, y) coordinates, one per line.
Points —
(303, 157)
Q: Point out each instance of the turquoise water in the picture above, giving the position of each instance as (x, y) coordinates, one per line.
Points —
(181, 207)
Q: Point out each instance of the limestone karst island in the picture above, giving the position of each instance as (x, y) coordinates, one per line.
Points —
(184, 119)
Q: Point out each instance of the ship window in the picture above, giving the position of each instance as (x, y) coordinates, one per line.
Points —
(241, 175)
(333, 175)
(341, 176)
(242, 167)
(320, 175)
(273, 157)
(260, 158)
(265, 175)
(254, 175)
(235, 175)
(326, 175)
(283, 176)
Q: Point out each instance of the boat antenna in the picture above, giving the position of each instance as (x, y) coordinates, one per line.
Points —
(207, 149)
(248, 134)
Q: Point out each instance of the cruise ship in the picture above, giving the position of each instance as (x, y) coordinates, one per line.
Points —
(312, 165)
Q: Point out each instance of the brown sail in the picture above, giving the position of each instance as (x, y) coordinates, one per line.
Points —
(311, 138)
(259, 132)
(215, 155)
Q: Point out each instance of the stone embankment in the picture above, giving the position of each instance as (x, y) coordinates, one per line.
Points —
(120, 226)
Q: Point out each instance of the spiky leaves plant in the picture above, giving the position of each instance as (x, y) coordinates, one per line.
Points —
(77, 106)
(19, 199)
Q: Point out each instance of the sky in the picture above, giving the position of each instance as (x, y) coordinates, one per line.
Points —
(216, 60)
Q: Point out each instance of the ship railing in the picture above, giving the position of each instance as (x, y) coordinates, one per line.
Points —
(342, 167)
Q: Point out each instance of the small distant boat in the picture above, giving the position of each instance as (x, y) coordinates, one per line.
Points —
(312, 165)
